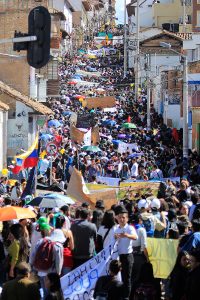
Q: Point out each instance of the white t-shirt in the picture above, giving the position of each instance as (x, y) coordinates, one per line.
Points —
(125, 245)
(142, 239)
(110, 236)
(134, 170)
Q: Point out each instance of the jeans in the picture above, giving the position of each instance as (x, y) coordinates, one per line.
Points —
(127, 265)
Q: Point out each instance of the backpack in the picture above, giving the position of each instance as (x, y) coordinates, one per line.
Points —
(145, 292)
(149, 226)
(44, 255)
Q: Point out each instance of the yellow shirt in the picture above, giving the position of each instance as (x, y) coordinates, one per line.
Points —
(13, 251)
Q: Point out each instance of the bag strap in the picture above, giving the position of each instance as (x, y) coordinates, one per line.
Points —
(105, 236)
(189, 239)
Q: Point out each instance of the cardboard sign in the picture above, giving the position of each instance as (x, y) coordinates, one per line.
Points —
(101, 102)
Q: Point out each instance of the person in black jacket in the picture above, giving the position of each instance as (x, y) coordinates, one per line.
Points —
(192, 287)
(109, 286)
(178, 277)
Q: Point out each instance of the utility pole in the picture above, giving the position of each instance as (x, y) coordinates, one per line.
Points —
(185, 107)
(137, 52)
(148, 91)
(184, 16)
(125, 41)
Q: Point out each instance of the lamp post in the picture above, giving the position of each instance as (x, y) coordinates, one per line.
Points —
(137, 51)
(185, 97)
(125, 41)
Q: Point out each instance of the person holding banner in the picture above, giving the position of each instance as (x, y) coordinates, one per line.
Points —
(125, 234)
(109, 287)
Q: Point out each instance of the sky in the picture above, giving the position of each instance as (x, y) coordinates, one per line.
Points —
(120, 10)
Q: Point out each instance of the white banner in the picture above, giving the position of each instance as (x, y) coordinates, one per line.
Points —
(108, 180)
(80, 283)
(125, 147)
(87, 138)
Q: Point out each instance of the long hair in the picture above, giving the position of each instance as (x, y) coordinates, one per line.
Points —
(108, 219)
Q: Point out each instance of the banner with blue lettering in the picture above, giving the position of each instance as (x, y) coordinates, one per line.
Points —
(79, 284)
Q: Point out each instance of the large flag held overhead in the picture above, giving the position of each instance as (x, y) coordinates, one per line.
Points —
(28, 159)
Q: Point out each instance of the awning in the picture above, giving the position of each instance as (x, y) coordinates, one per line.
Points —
(17, 96)
(3, 106)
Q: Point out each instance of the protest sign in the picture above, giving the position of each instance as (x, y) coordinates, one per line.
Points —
(76, 135)
(109, 196)
(77, 187)
(101, 102)
(130, 189)
(108, 180)
(85, 121)
(162, 254)
(125, 147)
(95, 137)
(80, 283)
(94, 186)
(87, 138)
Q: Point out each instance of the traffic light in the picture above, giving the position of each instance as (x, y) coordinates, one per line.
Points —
(39, 25)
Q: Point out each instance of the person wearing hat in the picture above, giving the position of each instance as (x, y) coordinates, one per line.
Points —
(150, 222)
(125, 234)
(22, 287)
(161, 216)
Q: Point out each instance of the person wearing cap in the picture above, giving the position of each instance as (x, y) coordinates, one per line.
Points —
(57, 262)
(161, 216)
(125, 234)
(22, 287)
(150, 221)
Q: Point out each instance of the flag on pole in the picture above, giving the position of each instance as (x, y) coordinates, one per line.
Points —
(30, 186)
(28, 159)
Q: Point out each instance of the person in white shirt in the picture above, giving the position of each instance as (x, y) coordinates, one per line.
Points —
(156, 173)
(106, 232)
(134, 168)
(44, 165)
(125, 234)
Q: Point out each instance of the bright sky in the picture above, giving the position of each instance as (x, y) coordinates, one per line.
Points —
(120, 10)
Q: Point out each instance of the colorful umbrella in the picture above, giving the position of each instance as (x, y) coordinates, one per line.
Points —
(55, 123)
(91, 148)
(51, 200)
(8, 213)
(72, 82)
(129, 125)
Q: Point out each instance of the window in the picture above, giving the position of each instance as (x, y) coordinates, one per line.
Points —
(198, 18)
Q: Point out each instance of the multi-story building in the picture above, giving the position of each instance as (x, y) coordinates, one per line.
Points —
(196, 15)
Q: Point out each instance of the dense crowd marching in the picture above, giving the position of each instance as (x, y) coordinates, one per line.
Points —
(69, 237)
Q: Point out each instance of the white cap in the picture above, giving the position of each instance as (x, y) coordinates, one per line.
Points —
(143, 203)
(155, 203)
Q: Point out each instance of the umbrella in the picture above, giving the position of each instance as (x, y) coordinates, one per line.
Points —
(8, 213)
(129, 125)
(121, 136)
(51, 200)
(76, 77)
(55, 123)
(79, 96)
(135, 155)
(116, 142)
(46, 136)
(72, 82)
(91, 148)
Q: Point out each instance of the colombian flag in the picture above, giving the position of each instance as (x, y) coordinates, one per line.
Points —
(28, 159)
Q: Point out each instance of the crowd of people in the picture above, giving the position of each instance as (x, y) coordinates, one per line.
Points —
(35, 253)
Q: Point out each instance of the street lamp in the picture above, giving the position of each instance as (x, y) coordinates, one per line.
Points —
(125, 41)
(185, 97)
